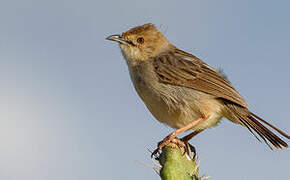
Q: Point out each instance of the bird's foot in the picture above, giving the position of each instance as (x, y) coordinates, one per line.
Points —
(190, 150)
(165, 142)
(182, 144)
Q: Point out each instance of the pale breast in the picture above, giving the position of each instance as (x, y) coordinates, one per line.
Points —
(173, 105)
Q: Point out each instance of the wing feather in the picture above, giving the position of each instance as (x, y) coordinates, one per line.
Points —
(182, 69)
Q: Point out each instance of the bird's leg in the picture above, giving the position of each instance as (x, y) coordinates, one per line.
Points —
(172, 137)
(191, 135)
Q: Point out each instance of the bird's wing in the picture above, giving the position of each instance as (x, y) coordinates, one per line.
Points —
(182, 69)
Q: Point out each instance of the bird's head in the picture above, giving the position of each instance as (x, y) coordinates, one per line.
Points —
(141, 43)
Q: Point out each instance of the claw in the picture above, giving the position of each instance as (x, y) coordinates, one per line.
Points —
(154, 154)
(190, 149)
(165, 142)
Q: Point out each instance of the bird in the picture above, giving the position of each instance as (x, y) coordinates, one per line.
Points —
(183, 92)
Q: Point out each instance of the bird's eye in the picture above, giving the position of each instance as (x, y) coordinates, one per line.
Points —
(140, 40)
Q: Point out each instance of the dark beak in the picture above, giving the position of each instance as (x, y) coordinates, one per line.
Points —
(119, 38)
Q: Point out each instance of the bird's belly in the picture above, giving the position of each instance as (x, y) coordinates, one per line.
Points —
(178, 111)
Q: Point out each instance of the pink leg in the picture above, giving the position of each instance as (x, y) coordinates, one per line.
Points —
(191, 135)
(172, 137)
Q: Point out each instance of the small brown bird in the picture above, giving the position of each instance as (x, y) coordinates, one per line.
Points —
(182, 91)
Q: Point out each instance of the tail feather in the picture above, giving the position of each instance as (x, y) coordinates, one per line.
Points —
(247, 125)
(254, 124)
(269, 135)
(270, 125)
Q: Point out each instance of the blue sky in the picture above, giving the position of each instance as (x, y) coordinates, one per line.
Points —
(69, 111)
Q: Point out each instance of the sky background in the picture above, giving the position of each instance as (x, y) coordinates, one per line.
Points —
(68, 110)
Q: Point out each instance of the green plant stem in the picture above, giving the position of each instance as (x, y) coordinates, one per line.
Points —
(177, 165)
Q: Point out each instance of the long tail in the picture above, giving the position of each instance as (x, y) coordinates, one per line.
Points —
(255, 124)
